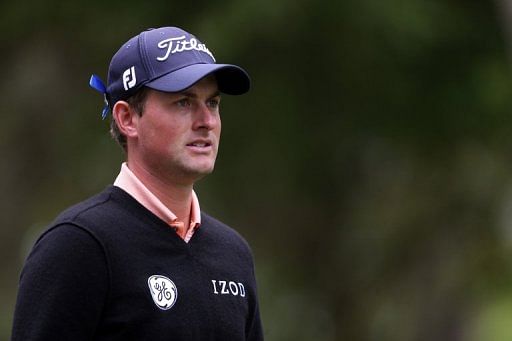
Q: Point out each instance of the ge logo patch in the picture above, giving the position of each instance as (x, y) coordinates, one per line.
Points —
(163, 291)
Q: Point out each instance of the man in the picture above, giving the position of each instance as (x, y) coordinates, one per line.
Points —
(140, 261)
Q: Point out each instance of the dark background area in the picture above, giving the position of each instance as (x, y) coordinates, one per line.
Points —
(369, 167)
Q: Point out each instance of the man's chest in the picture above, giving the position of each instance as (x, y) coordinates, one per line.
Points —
(179, 294)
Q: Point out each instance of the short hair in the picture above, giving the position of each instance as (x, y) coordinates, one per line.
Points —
(136, 102)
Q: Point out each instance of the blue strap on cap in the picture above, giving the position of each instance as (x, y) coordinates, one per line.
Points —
(97, 84)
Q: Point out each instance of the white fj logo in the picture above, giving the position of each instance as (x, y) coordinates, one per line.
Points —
(163, 291)
(129, 78)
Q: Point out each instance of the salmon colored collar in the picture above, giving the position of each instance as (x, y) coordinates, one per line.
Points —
(129, 182)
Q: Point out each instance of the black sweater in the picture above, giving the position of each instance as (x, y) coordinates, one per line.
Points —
(108, 269)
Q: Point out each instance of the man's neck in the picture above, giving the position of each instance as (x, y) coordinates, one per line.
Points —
(176, 197)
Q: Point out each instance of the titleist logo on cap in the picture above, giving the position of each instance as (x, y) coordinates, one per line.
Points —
(180, 44)
(166, 59)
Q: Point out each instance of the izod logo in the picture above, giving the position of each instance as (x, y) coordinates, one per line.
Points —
(228, 288)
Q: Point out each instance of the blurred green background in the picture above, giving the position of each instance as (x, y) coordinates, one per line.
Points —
(370, 167)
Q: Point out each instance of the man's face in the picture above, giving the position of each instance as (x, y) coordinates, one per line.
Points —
(178, 133)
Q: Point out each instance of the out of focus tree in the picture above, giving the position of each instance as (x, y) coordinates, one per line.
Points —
(369, 167)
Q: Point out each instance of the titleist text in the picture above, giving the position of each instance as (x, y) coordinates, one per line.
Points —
(180, 44)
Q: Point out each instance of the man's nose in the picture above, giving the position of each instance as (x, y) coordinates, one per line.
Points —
(206, 117)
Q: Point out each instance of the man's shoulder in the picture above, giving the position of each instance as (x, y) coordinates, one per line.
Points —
(100, 215)
(223, 232)
(217, 225)
(101, 211)
(91, 206)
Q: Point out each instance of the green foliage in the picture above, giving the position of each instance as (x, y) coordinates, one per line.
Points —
(368, 167)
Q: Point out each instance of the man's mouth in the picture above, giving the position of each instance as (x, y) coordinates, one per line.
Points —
(200, 144)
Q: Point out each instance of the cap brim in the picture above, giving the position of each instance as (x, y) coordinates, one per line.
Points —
(231, 79)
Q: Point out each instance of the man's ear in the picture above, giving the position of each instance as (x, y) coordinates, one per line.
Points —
(126, 118)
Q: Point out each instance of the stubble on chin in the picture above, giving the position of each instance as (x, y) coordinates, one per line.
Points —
(186, 173)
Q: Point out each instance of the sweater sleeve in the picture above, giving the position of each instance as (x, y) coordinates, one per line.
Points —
(63, 287)
(254, 328)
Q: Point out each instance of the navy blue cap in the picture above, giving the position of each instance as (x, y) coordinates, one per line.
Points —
(167, 59)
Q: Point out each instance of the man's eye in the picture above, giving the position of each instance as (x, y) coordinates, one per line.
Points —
(183, 102)
(213, 103)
